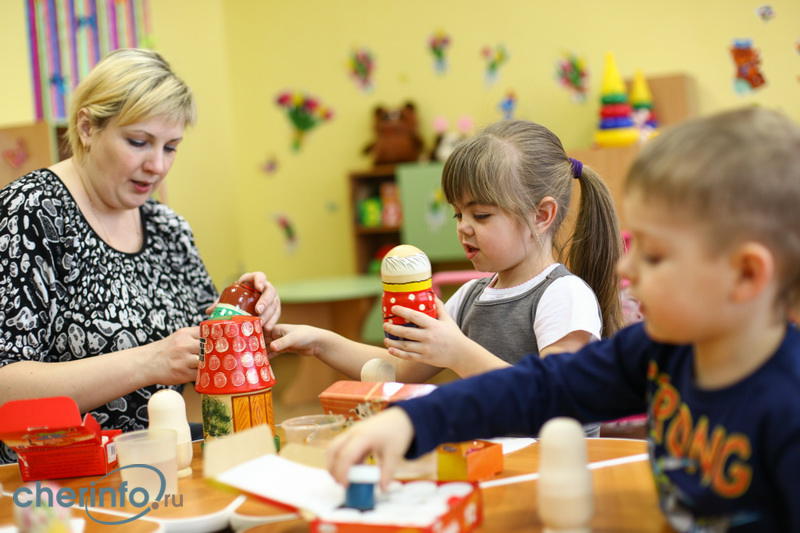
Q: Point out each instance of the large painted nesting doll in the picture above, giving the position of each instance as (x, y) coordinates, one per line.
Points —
(406, 276)
(234, 376)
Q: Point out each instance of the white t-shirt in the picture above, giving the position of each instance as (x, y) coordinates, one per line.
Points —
(567, 305)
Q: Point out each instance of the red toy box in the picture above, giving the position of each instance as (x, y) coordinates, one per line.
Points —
(361, 399)
(463, 513)
(53, 442)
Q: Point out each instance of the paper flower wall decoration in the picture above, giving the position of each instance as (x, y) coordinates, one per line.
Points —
(270, 166)
(746, 58)
(572, 74)
(494, 59)
(289, 233)
(508, 105)
(304, 112)
(361, 66)
(765, 12)
(438, 45)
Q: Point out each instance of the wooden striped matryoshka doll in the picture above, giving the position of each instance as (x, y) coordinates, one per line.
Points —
(234, 377)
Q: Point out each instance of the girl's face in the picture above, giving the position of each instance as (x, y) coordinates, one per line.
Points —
(683, 288)
(126, 163)
(495, 241)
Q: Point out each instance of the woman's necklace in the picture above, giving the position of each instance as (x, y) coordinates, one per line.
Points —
(106, 236)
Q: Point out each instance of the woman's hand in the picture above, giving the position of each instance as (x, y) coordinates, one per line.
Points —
(175, 358)
(387, 435)
(435, 342)
(268, 306)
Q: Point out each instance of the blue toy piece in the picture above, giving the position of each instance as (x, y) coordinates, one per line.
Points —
(361, 490)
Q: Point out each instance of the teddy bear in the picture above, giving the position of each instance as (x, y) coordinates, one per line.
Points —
(397, 139)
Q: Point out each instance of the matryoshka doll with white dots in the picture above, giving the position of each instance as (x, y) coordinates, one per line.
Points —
(406, 276)
(234, 376)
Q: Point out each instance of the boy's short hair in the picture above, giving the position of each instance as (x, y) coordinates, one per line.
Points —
(129, 85)
(737, 172)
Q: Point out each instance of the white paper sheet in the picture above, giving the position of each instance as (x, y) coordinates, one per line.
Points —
(287, 482)
(512, 444)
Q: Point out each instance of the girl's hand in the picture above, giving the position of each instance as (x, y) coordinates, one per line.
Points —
(435, 342)
(175, 358)
(302, 340)
(387, 435)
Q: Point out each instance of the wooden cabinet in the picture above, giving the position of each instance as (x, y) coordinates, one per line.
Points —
(427, 221)
(369, 239)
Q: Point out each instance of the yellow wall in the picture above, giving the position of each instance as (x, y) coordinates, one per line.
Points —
(16, 101)
(239, 55)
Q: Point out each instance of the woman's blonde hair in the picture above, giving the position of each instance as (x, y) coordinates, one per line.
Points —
(738, 174)
(129, 85)
(513, 165)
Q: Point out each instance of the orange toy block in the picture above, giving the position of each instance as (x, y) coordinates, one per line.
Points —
(469, 461)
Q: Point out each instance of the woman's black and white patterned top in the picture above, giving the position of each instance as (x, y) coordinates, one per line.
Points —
(65, 294)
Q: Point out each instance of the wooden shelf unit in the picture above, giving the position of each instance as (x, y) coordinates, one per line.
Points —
(368, 240)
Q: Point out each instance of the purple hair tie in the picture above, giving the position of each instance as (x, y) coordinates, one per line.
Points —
(577, 168)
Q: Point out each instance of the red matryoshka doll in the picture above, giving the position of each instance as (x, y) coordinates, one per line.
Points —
(406, 276)
(237, 299)
(234, 376)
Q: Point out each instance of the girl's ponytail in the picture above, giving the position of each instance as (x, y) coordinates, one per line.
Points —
(596, 246)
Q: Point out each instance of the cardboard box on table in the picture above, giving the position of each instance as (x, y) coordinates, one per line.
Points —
(360, 399)
(52, 441)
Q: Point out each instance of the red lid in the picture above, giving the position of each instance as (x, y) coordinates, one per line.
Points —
(233, 357)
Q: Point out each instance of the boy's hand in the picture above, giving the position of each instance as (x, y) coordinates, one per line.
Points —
(386, 435)
(437, 342)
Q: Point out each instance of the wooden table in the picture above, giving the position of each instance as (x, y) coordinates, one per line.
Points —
(625, 498)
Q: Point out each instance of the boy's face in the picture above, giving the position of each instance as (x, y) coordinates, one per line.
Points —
(683, 288)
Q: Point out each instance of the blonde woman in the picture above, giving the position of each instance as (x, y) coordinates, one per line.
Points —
(102, 287)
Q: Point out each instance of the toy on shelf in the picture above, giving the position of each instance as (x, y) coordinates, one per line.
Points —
(644, 117)
(234, 376)
(374, 266)
(748, 76)
(392, 212)
(397, 140)
(616, 124)
(406, 276)
(447, 139)
(370, 212)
